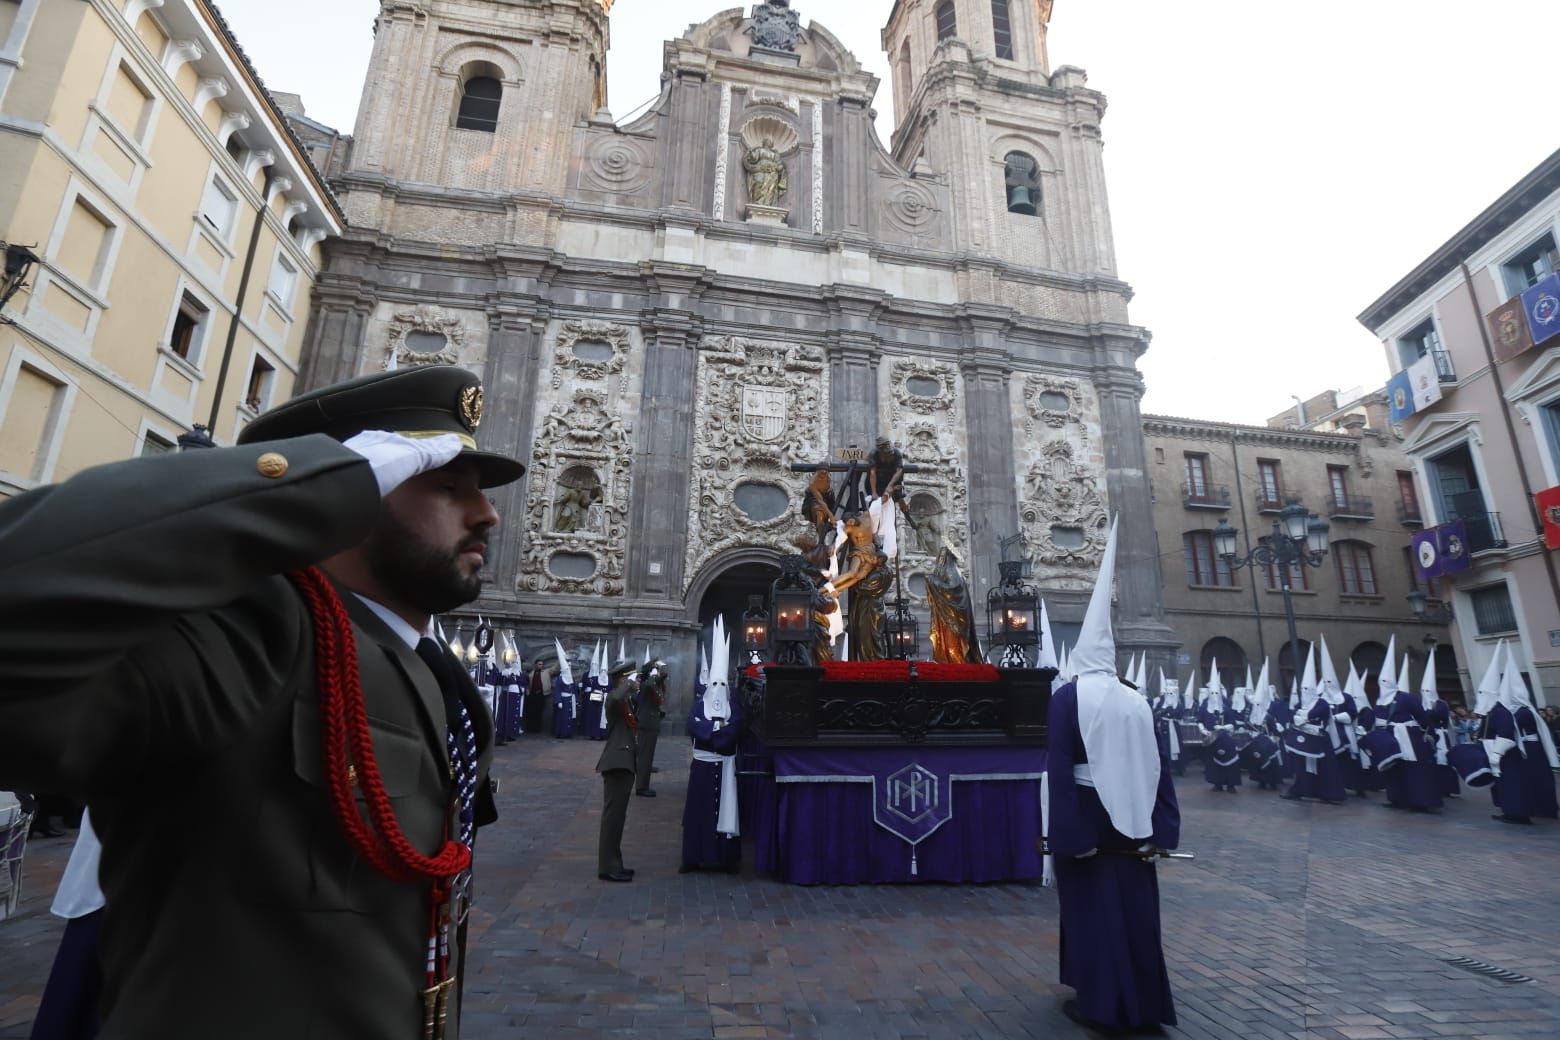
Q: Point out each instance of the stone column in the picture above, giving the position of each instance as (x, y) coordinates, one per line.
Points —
(334, 343)
(1140, 616)
(516, 335)
(853, 351)
(993, 490)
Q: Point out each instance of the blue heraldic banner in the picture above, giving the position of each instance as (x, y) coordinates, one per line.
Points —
(1400, 394)
(1453, 538)
(1541, 307)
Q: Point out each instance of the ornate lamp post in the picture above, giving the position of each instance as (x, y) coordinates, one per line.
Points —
(755, 630)
(1013, 615)
(1299, 538)
(791, 599)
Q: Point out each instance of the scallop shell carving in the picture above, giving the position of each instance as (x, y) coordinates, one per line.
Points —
(777, 130)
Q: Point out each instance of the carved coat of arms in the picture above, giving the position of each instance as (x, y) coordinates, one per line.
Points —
(776, 26)
(763, 411)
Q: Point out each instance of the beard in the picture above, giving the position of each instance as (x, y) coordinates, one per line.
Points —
(423, 575)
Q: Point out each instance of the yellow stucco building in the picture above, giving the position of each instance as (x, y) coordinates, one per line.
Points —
(177, 223)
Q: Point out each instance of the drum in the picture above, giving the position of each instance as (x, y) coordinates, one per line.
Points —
(1305, 744)
(1191, 733)
(1472, 763)
(1381, 748)
(1259, 752)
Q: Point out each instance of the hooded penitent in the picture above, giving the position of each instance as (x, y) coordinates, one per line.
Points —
(717, 705)
(1189, 695)
(1387, 681)
(1116, 723)
(1489, 686)
(1261, 697)
(1047, 658)
(1514, 695)
(1331, 689)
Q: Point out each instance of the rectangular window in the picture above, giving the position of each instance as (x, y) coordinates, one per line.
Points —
(28, 420)
(1425, 340)
(1529, 267)
(84, 247)
(1268, 484)
(1299, 581)
(947, 20)
(1202, 566)
(1197, 476)
(258, 395)
(235, 148)
(1550, 414)
(218, 208)
(155, 444)
(1338, 484)
(284, 280)
(189, 329)
(1356, 571)
(1492, 613)
(128, 103)
(1002, 29)
(1414, 580)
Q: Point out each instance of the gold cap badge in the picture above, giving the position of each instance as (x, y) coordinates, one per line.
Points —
(471, 407)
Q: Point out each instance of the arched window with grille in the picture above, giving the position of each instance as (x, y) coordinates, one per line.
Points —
(1001, 30)
(480, 97)
(947, 20)
(1021, 176)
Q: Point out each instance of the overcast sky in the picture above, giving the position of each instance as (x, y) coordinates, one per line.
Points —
(1273, 168)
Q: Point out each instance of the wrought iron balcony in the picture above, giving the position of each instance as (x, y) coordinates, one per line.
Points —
(1267, 503)
(1205, 496)
(1443, 366)
(1409, 515)
(1484, 532)
(1350, 507)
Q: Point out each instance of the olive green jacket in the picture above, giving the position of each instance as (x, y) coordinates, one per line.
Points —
(621, 742)
(154, 662)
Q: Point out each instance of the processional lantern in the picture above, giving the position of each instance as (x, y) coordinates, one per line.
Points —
(903, 633)
(755, 629)
(791, 598)
(1013, 614)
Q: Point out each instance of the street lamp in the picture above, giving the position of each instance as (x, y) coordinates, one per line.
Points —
(1299, 538)
(755, 629)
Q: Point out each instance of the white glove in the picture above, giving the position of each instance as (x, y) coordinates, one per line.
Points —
(395, 459)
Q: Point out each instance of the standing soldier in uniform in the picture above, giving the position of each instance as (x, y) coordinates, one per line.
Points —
(261, 658)
(650, 709)
(616, 767)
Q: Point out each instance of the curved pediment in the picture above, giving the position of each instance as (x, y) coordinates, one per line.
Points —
(773, 32)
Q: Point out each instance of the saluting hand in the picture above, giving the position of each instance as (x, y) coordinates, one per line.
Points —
(396, 458)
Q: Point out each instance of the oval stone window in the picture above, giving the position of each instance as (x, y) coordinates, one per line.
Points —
(593, 350)
(571, 565)
(761, 501)
(1052, 401)
(916, 583)
(1068, 537)
(924, 386)
(426, 342)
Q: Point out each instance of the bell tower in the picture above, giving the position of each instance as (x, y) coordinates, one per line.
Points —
(976, 102)
(479, 94)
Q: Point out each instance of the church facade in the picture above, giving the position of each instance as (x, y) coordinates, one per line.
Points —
(672, 313)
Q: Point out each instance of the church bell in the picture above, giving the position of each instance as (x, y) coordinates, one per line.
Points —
(1021, 199)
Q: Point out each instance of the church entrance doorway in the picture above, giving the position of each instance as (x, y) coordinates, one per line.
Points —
(728, 596)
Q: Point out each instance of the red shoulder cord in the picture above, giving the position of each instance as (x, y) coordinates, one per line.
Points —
(345, 737)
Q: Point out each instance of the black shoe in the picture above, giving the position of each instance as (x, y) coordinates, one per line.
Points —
(43, 832)
(1070, 1009)
(646, 793)
(1290, 797)
(685, 869)
(655, 769)
(629, 871)
(1512, 819)
(621, 875)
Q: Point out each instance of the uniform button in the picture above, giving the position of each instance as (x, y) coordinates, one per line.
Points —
(271, 464)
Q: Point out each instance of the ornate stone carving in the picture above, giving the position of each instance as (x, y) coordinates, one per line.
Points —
(615, 163)
(942, 481)
(776, 27)
(760, 406)
(722, 148)
(578, 496)
(759, 96)
(1062, 492)
(945, 377)
(565, 359)
(817, 168)
(912, 208)
(429, 319)
(1035, 387)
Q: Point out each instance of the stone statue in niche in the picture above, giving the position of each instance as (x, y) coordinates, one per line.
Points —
(766, 178)
(776, 27)
(925, 514)
(579, 507)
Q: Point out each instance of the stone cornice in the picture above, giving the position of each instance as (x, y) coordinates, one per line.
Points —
(1203, 429)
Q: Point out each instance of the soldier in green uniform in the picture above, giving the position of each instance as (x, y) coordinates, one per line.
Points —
(616, 767)
(242, 636)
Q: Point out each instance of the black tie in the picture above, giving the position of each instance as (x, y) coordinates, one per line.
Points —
(443, 667)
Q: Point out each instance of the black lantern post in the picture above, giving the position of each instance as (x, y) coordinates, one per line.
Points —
(903, 633)
(1013, 615)
(1298, 539)
(19, 261)
(791, 600)
(755, 630)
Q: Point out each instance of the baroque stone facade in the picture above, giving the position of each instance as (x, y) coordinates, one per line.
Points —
(671, 313)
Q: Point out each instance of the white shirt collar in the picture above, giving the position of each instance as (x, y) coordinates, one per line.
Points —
(397, 624)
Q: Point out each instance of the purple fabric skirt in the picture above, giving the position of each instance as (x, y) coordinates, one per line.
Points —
(1110, 941)
(703, 845)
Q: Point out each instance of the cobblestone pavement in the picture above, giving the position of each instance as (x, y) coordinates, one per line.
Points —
(1296, 921)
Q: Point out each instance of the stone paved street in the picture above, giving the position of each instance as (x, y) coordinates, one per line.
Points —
(1294, 922)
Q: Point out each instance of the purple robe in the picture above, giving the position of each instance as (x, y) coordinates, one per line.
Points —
(1327, 782)
(1537, 778)
(702, 844)
(1414, 785)
(563, 709)
(1110, 940)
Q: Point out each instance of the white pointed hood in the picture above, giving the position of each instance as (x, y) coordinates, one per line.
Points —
(1428, 694)
(1404, 682)
(1065, 675)
(704, 667)
(717, 693)
(1047, 658)
(1261, 697)
(1352, 681)
(1489, 686)
(1387, 681)
(565, 672)
(1294, 693)
(622, 649)
(1514, 694)
(1116, 724)
(1331, 689)
(1308, 686)
(1142, 674)
(1189, 695)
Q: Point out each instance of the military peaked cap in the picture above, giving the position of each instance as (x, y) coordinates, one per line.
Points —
(622, 668)
(425, 401)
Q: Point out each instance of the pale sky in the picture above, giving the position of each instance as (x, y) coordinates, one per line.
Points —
(1273, 168)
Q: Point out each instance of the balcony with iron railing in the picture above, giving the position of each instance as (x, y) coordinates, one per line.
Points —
(1350, 507)
(1409, 514)
(1484, 532)
(1205, 496)
(1443, 366)
(1268, 502)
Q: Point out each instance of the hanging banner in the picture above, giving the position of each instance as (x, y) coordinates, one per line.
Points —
(1549, 510)
(1400, 395)
(1425, 380)
(1541, 305)
(1427, 554)
(1453, 543)
(1509, 330)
